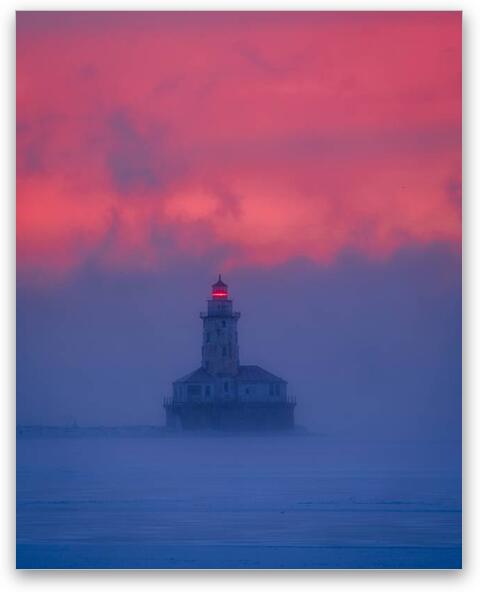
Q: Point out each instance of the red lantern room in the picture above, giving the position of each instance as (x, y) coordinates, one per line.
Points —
(219, 289)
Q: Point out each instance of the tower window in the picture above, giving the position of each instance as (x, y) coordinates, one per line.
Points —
(224, 351)
(224, 323)
(225, 387)
(207, 390)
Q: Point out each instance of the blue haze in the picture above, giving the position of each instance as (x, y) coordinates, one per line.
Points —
(238, 502)
(367, 348)
(371, 350)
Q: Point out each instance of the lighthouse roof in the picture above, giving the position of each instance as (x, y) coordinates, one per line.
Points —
(245, 374)
(219, 283)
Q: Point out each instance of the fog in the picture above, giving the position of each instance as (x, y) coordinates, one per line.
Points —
(369, 349)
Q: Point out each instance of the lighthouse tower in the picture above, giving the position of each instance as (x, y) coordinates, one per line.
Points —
(220, 338)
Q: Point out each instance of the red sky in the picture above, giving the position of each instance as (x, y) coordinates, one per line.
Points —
(146, 137)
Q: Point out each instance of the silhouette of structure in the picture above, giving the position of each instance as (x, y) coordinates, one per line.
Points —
(222, 394)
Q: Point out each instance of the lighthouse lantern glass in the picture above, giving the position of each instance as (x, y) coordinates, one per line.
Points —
(219, 293)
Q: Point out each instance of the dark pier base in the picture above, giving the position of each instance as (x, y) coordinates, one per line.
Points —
(232, 416)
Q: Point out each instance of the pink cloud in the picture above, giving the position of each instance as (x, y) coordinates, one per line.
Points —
(272, 135)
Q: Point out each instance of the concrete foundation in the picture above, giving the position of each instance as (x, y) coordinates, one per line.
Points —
(230, 416)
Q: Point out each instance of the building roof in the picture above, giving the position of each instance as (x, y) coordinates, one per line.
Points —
(245, 374)
(198, 375)
(256, 374)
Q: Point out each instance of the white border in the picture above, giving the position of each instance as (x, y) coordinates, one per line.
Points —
(233, 581)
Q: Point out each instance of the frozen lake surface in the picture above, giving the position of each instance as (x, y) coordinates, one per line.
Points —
(237, 502)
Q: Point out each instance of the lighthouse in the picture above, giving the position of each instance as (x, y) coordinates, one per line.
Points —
(222, 394)
(220, 336)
